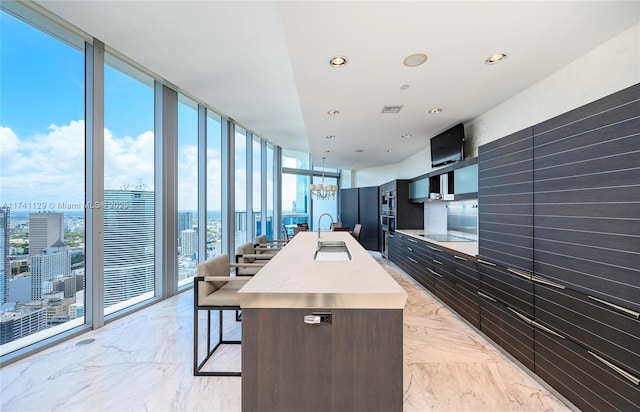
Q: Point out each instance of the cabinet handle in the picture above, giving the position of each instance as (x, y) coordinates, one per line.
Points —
(482, 295)
(521, 316)
(459, 258)
(434, 249)
(413, 260)
(522, 274)
(390, 235)
(621, 371)
(437, 261)
(411, 240)
(544, 281)
(410, 250)
(546, 329)
(624, 310)
(433, 272)
(484, 262)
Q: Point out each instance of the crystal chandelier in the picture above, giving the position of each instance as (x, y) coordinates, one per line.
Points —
(321, 191)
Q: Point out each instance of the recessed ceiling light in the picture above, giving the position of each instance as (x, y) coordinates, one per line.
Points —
(391, 109)
(359, 150)
(435, 110)
(333, 112)
(331, 136)
(406, 135)
(338, 61)
(404, 87)
(415, 59)
(496, 58)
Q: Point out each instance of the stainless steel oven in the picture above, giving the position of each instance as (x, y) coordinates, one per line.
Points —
(385, 243)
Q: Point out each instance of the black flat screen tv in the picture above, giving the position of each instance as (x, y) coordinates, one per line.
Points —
(448, 146)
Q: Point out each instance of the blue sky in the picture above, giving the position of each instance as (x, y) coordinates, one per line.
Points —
(42, 123)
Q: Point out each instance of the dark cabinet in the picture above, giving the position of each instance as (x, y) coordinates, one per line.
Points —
(508, 328)
(589, 380)
(360, 205)
(591, 323)
(394, 202)
(453, 278)
(511, 286)
(505, 200)
(559, 243)
(587, 194)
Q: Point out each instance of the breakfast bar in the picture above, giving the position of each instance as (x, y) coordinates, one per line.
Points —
(322, 330)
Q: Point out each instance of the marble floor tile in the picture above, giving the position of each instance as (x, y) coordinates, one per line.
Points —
(143, 362)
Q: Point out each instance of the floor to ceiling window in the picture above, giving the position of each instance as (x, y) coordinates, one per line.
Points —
(187, 189)
(214, 181)
(128, 185)
(256, 185)
(42, 173)
(240, 217)
(272, 227)
(295, 189)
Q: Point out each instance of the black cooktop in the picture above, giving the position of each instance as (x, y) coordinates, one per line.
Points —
(443, 237)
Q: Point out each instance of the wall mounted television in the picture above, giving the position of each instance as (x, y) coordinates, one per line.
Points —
(448, 146)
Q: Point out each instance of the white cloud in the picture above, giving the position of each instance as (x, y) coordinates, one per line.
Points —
(49, 168)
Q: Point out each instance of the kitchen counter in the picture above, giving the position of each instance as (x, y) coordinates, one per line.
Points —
(469, 249)
(293, 279)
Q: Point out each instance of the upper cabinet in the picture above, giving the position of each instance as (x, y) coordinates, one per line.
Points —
(419, 189)
(465, 180)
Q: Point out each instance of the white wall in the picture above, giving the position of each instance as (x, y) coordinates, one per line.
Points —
(610, 67)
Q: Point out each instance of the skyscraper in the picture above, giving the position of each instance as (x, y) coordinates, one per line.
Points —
(45, 229)
(128, 244)
(5, 267)
(185, 221)
(189, 242)
(51, 263)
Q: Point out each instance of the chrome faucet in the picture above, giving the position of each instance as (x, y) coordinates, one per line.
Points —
(320, 218)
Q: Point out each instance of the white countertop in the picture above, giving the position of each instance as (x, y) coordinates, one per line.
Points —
(292, 279)
(467, 248)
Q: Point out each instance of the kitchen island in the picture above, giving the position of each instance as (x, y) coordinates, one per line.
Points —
(322, 335)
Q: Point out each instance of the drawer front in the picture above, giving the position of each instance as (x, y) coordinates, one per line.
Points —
(591, 323)
(579, 376)
(511, 289)
(507, 330)
(467, 286)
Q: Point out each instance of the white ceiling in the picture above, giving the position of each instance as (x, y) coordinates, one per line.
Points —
(265, 64)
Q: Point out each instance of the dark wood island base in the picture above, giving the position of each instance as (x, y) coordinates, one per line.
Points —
(353, 363)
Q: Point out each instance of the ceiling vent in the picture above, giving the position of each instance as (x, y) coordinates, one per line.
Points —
(391, 109)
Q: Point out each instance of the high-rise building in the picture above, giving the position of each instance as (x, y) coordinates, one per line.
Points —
(128, 244)
(185, 221)
(5, 267)
(45, 229)
(50, 264)
(189, 242)
(14, 324)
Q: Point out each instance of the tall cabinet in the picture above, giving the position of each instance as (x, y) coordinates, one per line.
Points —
(360, 205)
(559, 233)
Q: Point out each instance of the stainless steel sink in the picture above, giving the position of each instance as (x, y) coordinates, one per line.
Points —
(332, 251)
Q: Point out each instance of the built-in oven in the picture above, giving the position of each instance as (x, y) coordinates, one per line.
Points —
(385, 243)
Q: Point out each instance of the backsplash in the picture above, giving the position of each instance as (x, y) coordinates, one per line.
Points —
(462, 216)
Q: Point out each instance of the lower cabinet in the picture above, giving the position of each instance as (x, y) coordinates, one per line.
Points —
(508, 328)
(584, 377)
(587, 348)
